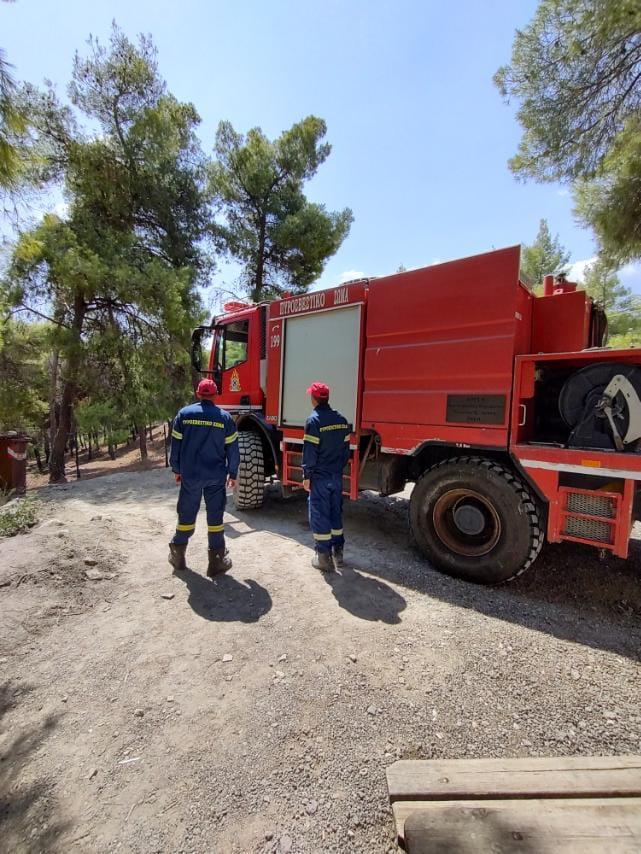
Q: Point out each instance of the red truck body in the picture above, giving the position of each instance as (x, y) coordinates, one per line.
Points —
(454, 359)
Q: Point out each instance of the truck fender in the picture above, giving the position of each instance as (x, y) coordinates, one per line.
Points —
(268, 433)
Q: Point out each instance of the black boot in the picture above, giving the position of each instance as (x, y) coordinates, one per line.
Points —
(219, 562)
(322, 561)
(177, 556)
(338, 556)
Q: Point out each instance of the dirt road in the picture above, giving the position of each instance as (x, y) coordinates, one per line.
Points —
(258, 713)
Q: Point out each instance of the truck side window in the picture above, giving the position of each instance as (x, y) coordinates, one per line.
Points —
(235, 346)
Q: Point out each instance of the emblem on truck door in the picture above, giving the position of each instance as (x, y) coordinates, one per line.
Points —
(234, 383)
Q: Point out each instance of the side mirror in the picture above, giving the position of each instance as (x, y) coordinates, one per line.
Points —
(196, 346)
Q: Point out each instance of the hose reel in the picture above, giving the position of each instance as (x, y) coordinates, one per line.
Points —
(601, 404)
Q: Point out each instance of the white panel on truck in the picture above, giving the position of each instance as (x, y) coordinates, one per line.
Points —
(321, 347)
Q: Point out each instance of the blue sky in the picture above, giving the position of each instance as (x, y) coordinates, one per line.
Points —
(420, 135)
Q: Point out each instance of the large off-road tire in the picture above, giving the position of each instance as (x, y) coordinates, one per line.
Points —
(475, 519)
(250, 484)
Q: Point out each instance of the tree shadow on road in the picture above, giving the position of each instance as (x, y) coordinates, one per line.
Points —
(224, 599)
(26, 820)
(364, 597)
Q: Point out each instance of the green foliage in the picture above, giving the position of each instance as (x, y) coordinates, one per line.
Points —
(23, 375)
(546, 255)
(18, 516)
(622, 307)
(281, 239)
(611, 203)
(116, 281)
(12, 124)
(575, 73)
(118, 277)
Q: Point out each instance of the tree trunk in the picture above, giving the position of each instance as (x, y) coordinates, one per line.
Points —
(36, 453)
(257, 293)
(57, 458)
(142, 439)
(53, 394)
(112, 450)
(59, 443)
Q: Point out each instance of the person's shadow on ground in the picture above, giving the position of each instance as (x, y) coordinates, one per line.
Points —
(223, 599)
(365, 597)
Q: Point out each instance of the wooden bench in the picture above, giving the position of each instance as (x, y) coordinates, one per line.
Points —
(574, 805)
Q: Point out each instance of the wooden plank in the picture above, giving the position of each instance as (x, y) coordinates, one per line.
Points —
(542, 806)
(575, 776)
(576, 826)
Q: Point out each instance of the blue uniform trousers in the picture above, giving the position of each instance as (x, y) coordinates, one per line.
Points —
(326, 511)
(188, 506)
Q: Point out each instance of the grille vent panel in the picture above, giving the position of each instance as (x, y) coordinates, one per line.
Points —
(592, 505)
(588, 529)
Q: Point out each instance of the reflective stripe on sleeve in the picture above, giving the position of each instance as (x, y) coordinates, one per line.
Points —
(313, 439)
(337, 532)
(322, 537)
(176, 435)
(215, 529)
(347, 438)
(181, 527)
(230, 439)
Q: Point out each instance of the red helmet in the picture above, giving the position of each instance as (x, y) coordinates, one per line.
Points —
(319, 390)
(207, 388)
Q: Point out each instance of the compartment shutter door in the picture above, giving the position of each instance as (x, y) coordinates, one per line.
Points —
(323, 347)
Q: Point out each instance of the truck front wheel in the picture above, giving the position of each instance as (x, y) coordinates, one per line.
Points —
(250, 484)
(475, 519)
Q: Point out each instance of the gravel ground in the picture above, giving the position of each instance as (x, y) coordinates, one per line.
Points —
(148, 713)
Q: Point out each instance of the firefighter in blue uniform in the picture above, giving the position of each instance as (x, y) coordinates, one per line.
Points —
(204, 452)
(325, 453)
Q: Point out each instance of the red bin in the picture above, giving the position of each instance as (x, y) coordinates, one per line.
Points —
(13, 462)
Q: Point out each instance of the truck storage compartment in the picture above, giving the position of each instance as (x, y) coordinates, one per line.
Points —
(576, 403)
(320, 346)
(441, 343)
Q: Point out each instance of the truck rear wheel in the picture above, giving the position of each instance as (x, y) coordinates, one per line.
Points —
(475, 519)
(250, 484)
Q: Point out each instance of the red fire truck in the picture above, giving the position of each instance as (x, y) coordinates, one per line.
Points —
(504, 408)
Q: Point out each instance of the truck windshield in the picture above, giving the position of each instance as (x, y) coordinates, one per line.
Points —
(231, 344)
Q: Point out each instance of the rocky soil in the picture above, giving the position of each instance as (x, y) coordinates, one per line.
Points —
(144, 712)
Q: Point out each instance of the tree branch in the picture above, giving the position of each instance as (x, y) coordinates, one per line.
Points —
(24, 307)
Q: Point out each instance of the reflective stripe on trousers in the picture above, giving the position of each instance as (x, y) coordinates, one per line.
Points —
(326, 511)
(189, 499)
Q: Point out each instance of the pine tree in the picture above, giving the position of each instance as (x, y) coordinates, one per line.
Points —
(281, 239)
(546, 255)
(124, 265)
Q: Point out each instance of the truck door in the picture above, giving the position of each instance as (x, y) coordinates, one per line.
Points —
(235, 363)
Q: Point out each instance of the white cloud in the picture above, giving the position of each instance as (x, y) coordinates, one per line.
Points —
(630, 270)
(563, 192)
(350, 275)
(577, 270)
(61, 209)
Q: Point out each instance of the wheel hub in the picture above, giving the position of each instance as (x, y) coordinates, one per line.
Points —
(466, 522)
(469, 519)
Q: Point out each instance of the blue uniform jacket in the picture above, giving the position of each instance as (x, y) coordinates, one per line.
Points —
(326, 442)
(204, 444)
